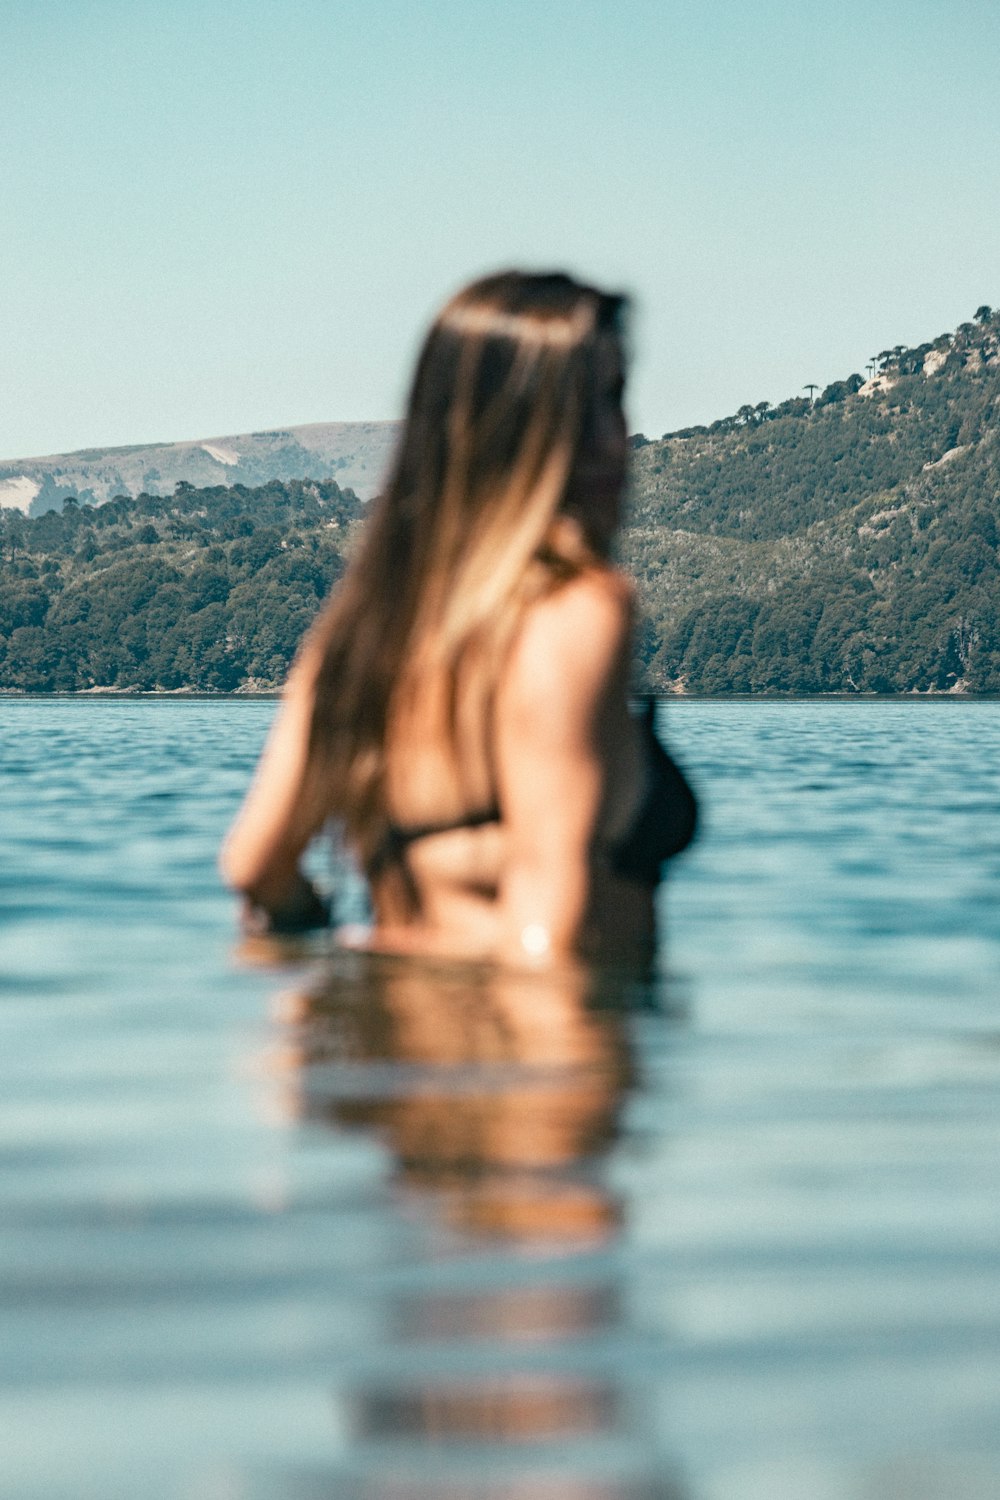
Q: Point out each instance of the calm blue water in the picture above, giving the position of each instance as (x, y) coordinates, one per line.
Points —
(347, 1231)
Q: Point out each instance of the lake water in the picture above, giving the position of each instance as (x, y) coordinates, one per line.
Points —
(375, 1232)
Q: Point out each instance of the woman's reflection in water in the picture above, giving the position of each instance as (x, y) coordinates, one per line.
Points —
(501, 1100)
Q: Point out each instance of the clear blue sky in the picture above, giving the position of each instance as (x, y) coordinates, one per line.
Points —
(222, 215)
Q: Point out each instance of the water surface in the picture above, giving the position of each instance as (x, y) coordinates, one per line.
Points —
(381, 1231)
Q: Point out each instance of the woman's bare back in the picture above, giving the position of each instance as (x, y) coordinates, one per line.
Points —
(564, 774)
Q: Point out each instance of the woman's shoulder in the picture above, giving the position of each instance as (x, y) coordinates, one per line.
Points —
(595, 605)
(573, 639)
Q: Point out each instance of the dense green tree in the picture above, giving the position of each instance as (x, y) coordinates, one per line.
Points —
(208, 589)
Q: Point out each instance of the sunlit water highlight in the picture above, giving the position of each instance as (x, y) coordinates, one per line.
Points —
(374, 1231)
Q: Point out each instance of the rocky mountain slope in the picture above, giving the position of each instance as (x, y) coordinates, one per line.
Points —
(355, 454)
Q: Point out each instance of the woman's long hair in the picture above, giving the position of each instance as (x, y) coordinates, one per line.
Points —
(461, 539)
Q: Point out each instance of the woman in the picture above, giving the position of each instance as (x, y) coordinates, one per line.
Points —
(460, 706)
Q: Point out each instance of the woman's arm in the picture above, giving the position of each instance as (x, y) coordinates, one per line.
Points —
(261, 854)
(562, 694)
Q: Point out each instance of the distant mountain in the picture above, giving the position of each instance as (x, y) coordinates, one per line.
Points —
(355, 454)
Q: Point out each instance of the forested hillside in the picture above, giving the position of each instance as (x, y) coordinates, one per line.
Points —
(206, 589)
(839, 546)
(844, 545)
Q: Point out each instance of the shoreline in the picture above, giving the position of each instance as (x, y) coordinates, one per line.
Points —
(272, 694)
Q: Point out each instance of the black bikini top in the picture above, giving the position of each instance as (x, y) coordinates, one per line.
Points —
(663, 825)
(666, 818)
